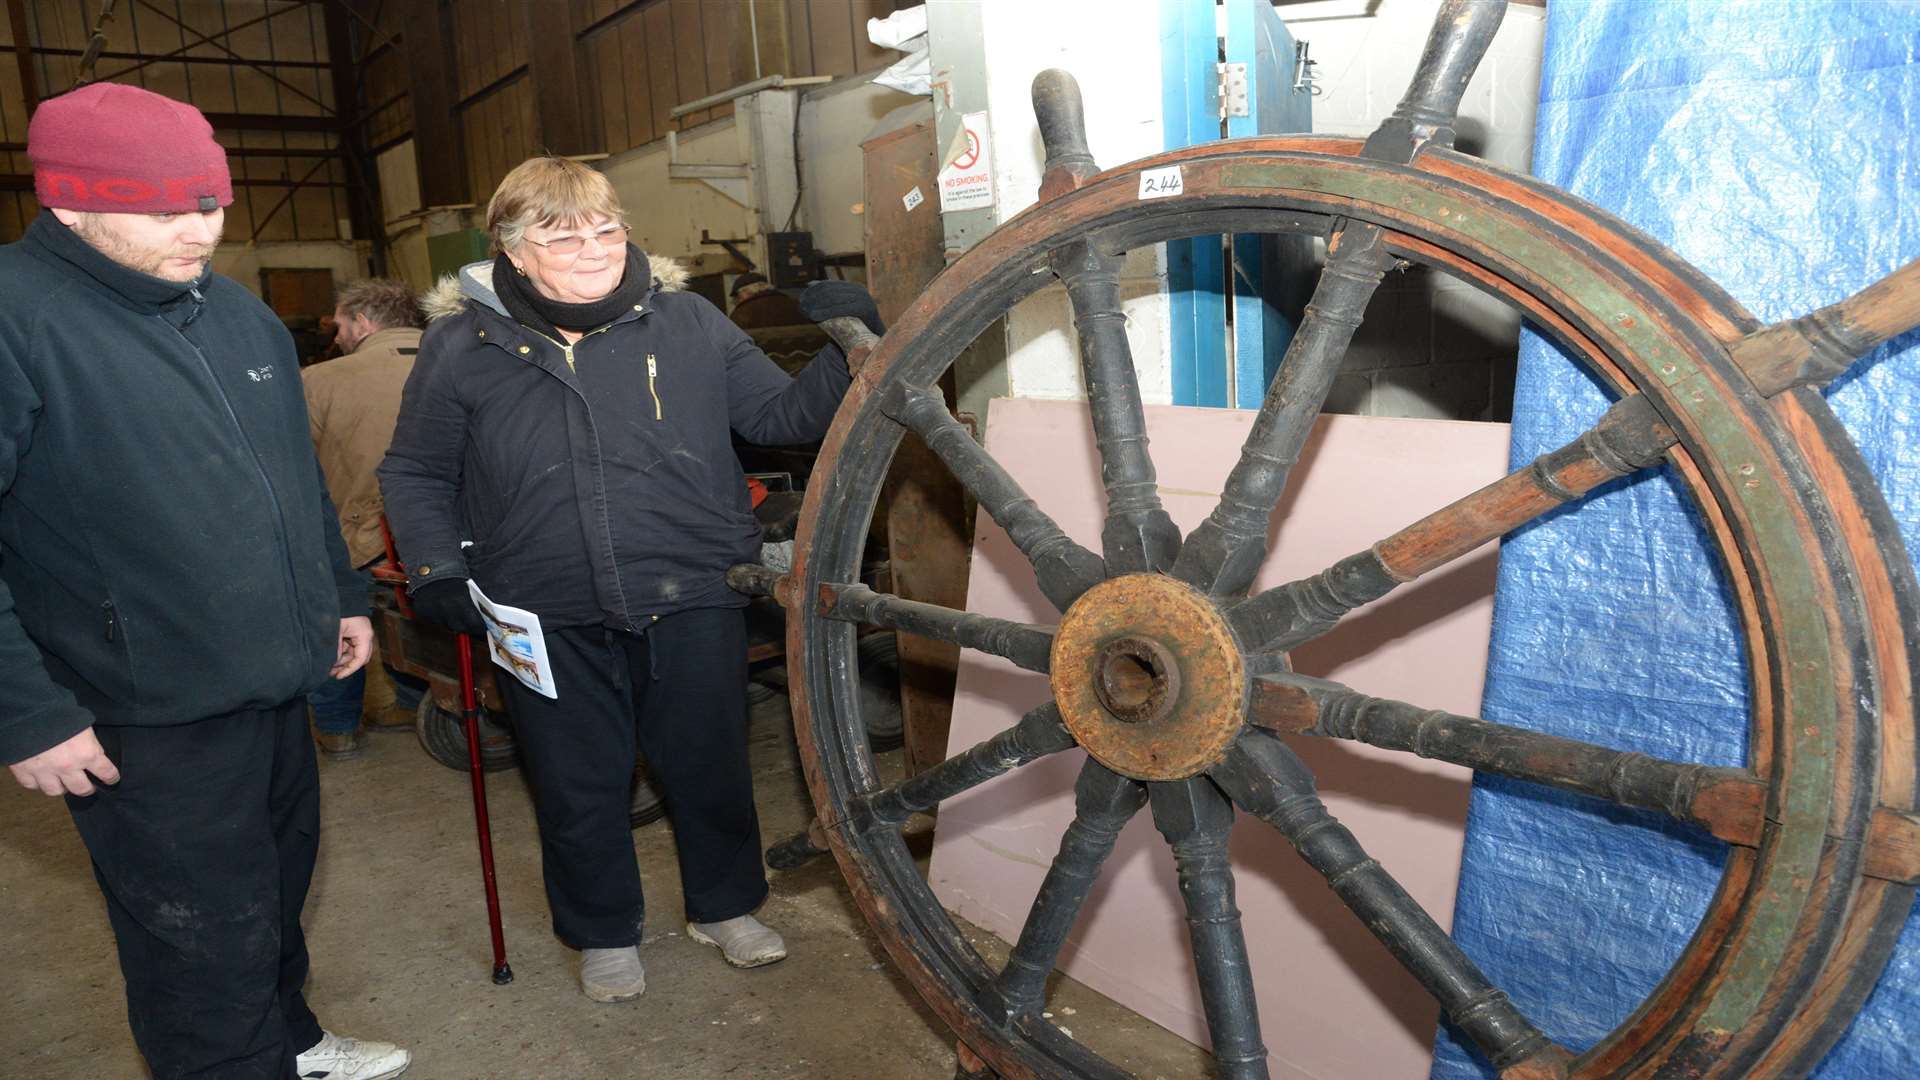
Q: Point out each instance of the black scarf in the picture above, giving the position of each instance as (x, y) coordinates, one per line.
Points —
(548, 316)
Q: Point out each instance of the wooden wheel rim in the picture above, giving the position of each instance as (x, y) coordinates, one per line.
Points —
(1796, 934)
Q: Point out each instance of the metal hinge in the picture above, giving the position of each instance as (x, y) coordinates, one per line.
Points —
(1303, 76)
(1233, 90)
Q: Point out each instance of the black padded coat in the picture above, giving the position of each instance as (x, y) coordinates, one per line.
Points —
(593, 484)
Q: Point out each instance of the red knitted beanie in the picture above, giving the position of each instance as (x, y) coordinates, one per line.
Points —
(116, 149)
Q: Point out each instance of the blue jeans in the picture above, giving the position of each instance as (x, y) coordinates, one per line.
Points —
(336, 704)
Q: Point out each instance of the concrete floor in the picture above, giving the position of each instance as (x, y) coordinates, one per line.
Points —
(397, 931)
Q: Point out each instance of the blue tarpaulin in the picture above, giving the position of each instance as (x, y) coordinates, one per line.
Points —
(1777, 147)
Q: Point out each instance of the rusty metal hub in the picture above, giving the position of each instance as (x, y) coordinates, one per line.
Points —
(1149, 678)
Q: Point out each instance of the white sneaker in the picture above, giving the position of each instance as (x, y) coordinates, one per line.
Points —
(745, 941)
(610, 975)
(335, 1058)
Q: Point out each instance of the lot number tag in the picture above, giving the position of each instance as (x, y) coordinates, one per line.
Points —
(1161, 183)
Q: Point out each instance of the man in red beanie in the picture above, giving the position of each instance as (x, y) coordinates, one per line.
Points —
(172, 584)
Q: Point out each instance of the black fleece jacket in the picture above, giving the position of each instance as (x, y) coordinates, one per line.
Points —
(594, 484)
(167, 549)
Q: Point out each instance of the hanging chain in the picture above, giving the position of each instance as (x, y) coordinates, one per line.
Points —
(96, 44)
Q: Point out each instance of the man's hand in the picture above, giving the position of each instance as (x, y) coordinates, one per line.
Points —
(63, 769)
(356, 644)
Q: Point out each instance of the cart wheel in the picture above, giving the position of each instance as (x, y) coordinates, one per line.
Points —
(880, 692)
(444, 736)
(648, 805)
(1175, 683)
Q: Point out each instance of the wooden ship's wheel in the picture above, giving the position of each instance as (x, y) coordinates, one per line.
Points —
(1176, 683)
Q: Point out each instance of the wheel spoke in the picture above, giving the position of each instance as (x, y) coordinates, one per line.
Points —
(1629, 437)
(1729, 803)
(1026, 646)
(1038, 734)
(1814, 349)
(1064, 568)
(1224, 553)
(1196, 819)
(1461, 33)
(1267, 780)
(1138, 534)
(1103, 801)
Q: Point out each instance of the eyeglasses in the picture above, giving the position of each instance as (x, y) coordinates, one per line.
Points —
(606, 236)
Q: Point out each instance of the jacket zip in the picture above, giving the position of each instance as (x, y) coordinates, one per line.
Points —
(106, 608)
(593, 428)
(652, 370)
(253, 455)
(566, 349)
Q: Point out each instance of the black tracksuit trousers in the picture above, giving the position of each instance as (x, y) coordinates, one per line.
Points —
(678, 694)
(204, 850)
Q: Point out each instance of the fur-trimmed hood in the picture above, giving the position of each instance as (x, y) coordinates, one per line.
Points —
(450, 294)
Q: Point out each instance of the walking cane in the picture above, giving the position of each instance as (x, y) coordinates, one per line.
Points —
(470, 713)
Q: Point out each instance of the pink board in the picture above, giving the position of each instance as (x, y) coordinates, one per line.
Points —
(1333, 1003)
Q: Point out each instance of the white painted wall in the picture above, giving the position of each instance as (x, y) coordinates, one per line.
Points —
(1363, 62)
(243, 262)
(399, 181)
(667, 215)
(1431, 346)
(1366, 52)
(407, 257)
(1112, 48)
(834, 120)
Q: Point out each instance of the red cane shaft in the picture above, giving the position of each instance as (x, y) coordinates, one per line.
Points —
(470, 713)
(400, 596)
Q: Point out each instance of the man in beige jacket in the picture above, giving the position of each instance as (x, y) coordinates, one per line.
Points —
(352, 403)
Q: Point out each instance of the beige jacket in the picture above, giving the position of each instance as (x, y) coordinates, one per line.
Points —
(352, 404)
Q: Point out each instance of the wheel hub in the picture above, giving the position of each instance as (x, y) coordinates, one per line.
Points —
(1149, 677)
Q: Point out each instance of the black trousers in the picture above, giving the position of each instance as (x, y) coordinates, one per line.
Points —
(677, 693)
(204, 850)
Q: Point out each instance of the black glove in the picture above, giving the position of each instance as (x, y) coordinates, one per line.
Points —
(447, 603)
(825, 300)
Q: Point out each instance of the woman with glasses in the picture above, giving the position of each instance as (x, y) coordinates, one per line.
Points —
(564, 443)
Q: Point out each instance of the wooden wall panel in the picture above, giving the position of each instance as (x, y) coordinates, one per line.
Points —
(588, 12)
(690, 60)
(465, 79)
(488, 42)
(800, 38)
(833, 36)
(630, 77)
(866, 55)
(721, 27)
(13, 127)
(660, 74)
(673, 51)
(499, 133)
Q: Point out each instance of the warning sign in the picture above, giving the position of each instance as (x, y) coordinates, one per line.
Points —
(966, 180)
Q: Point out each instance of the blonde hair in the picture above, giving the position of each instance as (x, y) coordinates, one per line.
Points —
(549, 192)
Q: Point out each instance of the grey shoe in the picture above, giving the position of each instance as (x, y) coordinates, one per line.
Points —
(609, 975)
(745, 941)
